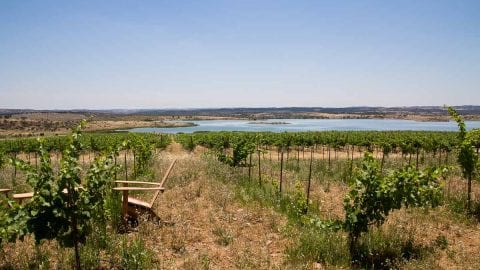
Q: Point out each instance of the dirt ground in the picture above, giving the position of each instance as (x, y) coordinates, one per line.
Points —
(204, 226)
(44, 124)
(210, 227)
(200, 207)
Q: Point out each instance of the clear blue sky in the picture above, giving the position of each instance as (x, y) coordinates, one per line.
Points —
(158, 54)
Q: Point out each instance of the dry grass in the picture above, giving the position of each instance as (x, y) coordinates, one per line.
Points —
(204, 226)
(209, 228)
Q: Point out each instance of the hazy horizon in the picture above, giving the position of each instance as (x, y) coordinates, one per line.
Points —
(59, 55)
(228, 108)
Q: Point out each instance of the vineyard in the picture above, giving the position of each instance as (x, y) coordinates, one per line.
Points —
(245, 200)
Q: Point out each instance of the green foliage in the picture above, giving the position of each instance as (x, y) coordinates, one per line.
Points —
(387, 249)
(467, 157)
(441, 242)
(389, 141)
(319, 245)
(143, 151)
(224, 238)
(2, 159)
(293, 204)
(386, 148)
(113, 207)
(241, 149)
(98, 142)
(461, 124)
(135, 255)
(12, 221)
(61, 208)
(90, 256)
(456, 204)
(44, 220)
(99, 185)
(188, 144)
(299, 202)
(99, 182)
(373, 196)
(56, 201)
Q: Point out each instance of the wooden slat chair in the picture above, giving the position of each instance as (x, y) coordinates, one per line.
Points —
(133, 207)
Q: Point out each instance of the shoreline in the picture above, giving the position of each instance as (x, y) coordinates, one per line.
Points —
(40, 124)
(268, 123)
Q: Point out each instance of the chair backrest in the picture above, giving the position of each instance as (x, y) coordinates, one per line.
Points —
(163, 181)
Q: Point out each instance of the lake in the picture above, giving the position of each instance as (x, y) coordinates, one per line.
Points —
(296, 125)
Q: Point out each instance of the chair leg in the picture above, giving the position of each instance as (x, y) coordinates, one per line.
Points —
(139, 212)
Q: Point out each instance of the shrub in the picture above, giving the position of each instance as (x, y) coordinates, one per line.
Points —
(373, 196)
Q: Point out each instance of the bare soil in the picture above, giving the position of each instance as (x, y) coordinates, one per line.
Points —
(40, 124)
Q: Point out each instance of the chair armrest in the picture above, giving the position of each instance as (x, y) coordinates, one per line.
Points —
(137, 182)
(23, 195)
(138, 188)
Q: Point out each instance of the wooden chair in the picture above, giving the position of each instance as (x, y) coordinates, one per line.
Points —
(133, 207)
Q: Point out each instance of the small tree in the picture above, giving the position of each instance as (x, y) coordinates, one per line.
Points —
(241, 149)
(61, 208)
(467, 157)
(189, 144)
(373, 196)
(386, 150)
(143, 152)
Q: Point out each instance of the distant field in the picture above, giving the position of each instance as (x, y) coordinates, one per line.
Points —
(35, 123)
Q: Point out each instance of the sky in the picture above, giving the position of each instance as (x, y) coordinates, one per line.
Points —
(238, 53)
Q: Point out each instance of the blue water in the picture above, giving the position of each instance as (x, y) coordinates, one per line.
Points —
(296, 125)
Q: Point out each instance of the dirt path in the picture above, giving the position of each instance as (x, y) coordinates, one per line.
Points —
(210, 229)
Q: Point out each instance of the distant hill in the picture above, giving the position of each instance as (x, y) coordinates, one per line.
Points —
(273, 112)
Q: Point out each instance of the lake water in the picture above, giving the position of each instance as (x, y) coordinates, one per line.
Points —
(295, 125)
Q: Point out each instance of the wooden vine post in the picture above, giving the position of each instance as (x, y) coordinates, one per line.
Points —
(250, 168)
(126, 169)
(134, 165)
(259, 168)
(309, 181)
(281, 170)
